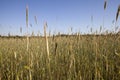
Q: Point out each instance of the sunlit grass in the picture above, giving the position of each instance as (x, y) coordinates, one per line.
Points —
(81, 57)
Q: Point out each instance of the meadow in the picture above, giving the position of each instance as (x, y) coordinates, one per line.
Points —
(61, 57)
(78, 57)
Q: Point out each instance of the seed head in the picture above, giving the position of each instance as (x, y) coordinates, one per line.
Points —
(118, 13)
(20, 29)
(45, 26)
(105, 3)
(35, 19)
(27, 15)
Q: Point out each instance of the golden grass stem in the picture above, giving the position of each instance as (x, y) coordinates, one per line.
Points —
(47, 49)
(46, 39)
(27, 26)
(27, 16)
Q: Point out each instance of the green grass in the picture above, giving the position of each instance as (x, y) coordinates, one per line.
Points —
(71, 58)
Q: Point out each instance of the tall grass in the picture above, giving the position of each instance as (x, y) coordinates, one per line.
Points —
(47, 50)
(27, 26)
(81, 57)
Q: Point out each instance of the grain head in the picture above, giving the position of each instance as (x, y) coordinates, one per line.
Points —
(118, 13)
(27, 15)
(35, 19)
(105, 4)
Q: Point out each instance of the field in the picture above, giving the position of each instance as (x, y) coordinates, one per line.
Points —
(80, 57)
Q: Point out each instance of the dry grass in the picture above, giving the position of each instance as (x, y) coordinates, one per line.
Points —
(27, 27)
(76, 57)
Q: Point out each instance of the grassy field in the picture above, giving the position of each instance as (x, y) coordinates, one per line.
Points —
(70, 58)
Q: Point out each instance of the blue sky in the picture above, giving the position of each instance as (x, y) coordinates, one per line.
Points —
(60, 15)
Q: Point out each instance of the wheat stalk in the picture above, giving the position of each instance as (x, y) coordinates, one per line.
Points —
(30, 75)
(105, 5)
(27, 16)
(117, 15)
(47, 48)
(27, 26)
(46, 39)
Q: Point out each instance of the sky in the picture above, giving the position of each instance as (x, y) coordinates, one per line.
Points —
(60, 15)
